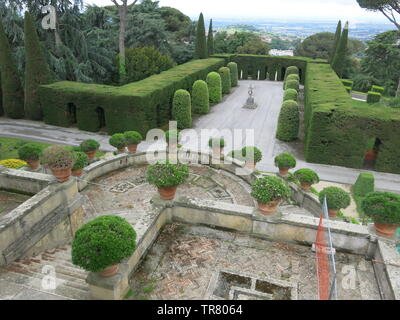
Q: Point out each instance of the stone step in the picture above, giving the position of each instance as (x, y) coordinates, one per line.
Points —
(64, 264)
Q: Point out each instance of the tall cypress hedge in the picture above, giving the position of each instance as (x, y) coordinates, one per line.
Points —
(201, 51)
(210, 40)
(182, 109)
(233, 67)
(339, 60)
(200, 98)
(12, 92)
(289, 121)
(214, 83)
(36, 71)
(336, 41)
(226, 79)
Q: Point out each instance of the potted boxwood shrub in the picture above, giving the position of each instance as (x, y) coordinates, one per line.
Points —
(81, 161)
(118, 141)
(60, 161)
(132, 139)
(217, 146)
(31, 153)
(269, 192)
(336, 198)
(172, 137)
(90, 147)
(285, 162)
(384, 209)
(100, 245)
(307, 178)
(167, 177)
(252, 156)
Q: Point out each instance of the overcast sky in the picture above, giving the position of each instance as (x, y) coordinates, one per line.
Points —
(315, 9)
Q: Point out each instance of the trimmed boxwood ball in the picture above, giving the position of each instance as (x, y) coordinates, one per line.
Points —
(133, 137)
(382, 207)
(336, 198)
(103, 242)
(81, 160)
(225, 79)
(269, 189)
(30, 151)
(89, 145)
(373, 97)
(291, 70)
(200, 98)
(118, 141)
(252, 154)
(292, 84)
(307, 176)
(290, 94)
(165, 174)
(182, 109)
(285, 160)
(233, 67)
(214, 83)
(293, 77)
(288, 122)
(216, 143)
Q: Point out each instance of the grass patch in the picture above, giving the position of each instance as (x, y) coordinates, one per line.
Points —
(9, 147)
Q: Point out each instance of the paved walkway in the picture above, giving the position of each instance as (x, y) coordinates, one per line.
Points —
(227, 115)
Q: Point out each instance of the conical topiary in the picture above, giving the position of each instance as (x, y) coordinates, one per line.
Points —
(200, 98)
(233, 67)
(226, 79)
(336, 41)
(339, 61)
(214, 87)
(182, 109)
(201, 51)
(210, 40)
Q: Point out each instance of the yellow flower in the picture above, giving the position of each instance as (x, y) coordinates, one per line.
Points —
(13, 163)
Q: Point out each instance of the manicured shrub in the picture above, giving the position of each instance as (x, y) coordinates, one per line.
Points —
(30, 151)
(118, 141)
(364, 184)
(13, 163)
(233, 67)
(292, 77)
(236, 154)
(89, 145)
(164, 174)
(289, 121)
(378, 89)
(291, 70)
(182, 109)
(173, 136)
(285, 160)
(201, 51)
(58, 157)
(214, 83)
(290, 94)
(210, 39)
(347, 83)
(373, 97)
(133, 137)
(382, 207)
(252, 154)
(292, 84)
(81, 160)
(307, 176)
(348, 89)
(103, 242)
(339, 59)
(336, 198)
(200, 98)
(216, 143)
(226, 80)
(270, 188)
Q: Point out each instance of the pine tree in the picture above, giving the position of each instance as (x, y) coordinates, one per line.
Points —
(36, 70)
(210, 40)
(201, 51)
(336, 41)
(12, 92)
(339, 60)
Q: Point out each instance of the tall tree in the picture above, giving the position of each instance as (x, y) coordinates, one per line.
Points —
(36, 70)
(12, 92)
(210, 40)
(338, 63)
(201, 51)
(389, 8)
(336, 41)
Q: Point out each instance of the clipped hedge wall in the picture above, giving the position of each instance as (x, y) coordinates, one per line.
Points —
(138, 106)
(200, 98)
(233, 67)
(225, 74)
(214, 83)
(379, 89)
(347, 83)
(292, 84)
(364, 184)
(289, 121)
(373, 97)
(182, 109)
(290, 94)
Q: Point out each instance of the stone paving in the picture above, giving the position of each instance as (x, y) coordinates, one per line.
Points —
(185, 259)
(9, 201)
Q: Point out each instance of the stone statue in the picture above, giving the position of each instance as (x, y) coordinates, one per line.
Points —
(250, 103)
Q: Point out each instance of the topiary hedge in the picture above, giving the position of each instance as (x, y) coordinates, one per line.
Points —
(81, 160)
(307, 176)
(291, 70)
(382, 207)
(103, 242)
(118, 141)
(200, 98)
(373, 97)
(270, 188)
(292, 84)
(288, 122)
(226, 81)
(290, 94)
(233, 67)
(252, 154)
(89, 145)
(182, 109)
(214, 83)
(378, 89)
(292, 77)
(165, 174)
(364, 184)
(30, 151)
(285, 161)
(133, 138)
(336, 198)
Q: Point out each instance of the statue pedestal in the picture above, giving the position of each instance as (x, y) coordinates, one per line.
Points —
(250, 104)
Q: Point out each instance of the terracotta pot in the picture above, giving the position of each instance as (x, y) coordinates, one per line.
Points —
(121, 150)
(385, 230)
(283, 171)
(109, 272)
(251, 165)
(306, 186)
(77, 173)
(62, 175)
(333, 213)
(168, 193)
(91, 154)
(33, 164)
(269, 208)
(132, 148)
(371, 155)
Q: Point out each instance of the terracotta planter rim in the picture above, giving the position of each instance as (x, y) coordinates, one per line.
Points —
(109, 271)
